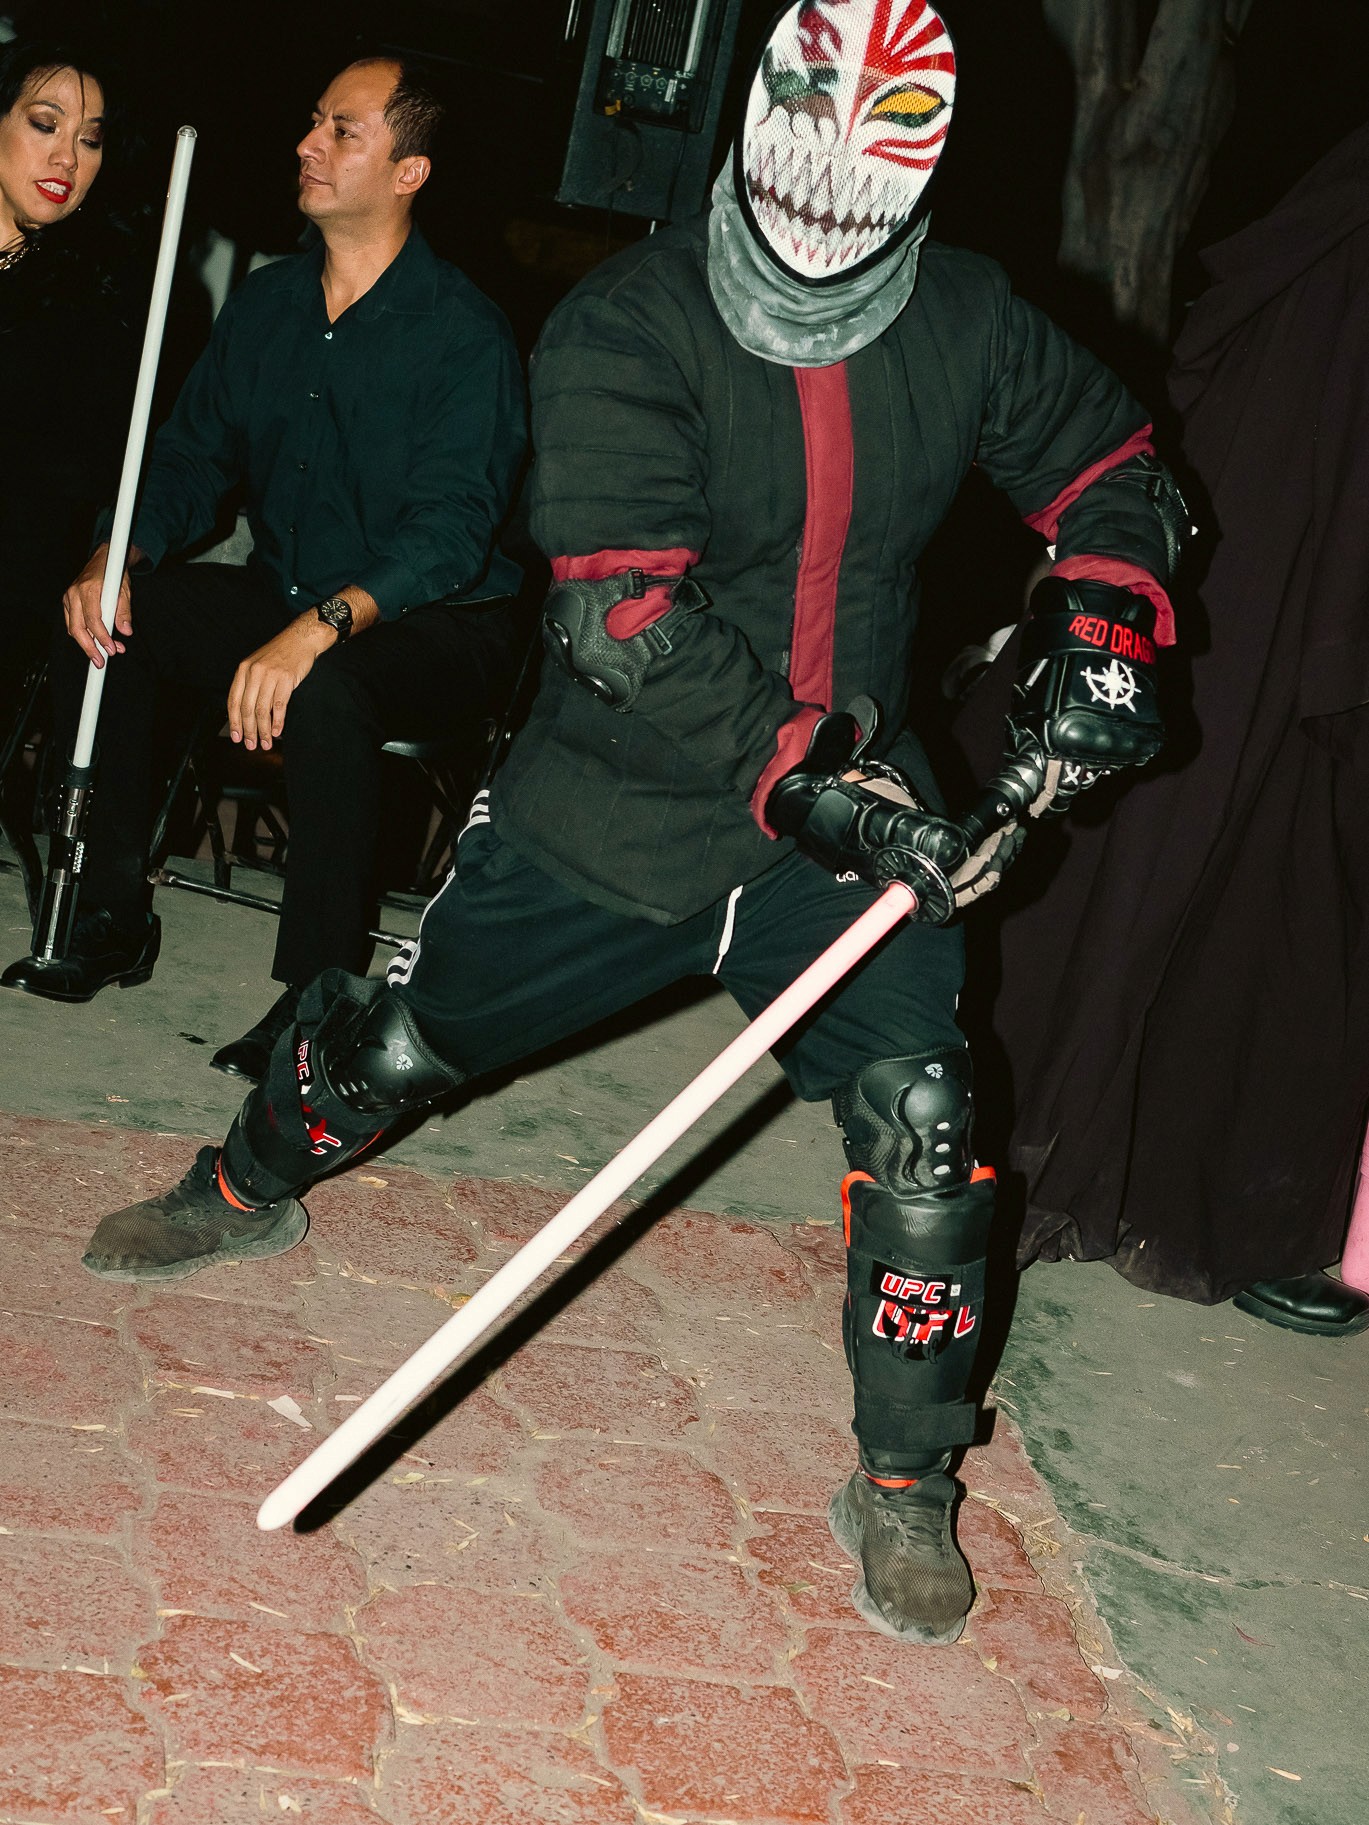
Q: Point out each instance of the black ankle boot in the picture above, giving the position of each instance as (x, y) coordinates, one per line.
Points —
(1316, 1304)
(101, 953)
(249, 1056)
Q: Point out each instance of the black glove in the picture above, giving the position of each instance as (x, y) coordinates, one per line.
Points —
(1084, 703)
(874, 827)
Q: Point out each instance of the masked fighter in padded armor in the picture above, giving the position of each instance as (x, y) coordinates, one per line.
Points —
(747, 429)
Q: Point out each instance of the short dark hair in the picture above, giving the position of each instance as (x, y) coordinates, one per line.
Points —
(413, 113)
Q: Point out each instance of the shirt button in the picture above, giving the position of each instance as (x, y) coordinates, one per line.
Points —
(327, 335)
(294, 589)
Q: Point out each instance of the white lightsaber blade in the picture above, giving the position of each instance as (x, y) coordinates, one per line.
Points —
(415, 1376)
(137, 430)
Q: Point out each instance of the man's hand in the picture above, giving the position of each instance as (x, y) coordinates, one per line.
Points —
(267, 679)
(987, 854)
(863, 819)
(81, 607)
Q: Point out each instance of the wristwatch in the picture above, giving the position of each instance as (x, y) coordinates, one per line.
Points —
(337, 613)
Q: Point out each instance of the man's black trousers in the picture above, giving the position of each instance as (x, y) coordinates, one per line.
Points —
(439, 670)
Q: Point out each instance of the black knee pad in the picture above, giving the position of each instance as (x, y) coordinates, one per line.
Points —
(352, 1064)
(914, 1308)
(908, 1122)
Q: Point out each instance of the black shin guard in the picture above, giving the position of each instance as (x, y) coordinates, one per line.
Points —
(914, 1306)
(917, 1217)
(350, 1066)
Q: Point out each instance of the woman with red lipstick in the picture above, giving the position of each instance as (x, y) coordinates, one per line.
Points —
(65, 350)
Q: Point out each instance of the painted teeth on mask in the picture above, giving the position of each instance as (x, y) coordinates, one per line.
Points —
(803, 185)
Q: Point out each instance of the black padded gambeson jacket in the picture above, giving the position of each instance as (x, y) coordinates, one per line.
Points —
(799, 500)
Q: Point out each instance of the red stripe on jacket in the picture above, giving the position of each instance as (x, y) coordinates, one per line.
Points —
(1047, 521)
(1097, 569)
(627, 618)
(830, 467)
(830, 472)
(1085, 569)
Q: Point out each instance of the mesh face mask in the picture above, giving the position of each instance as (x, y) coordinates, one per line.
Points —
(812, 244)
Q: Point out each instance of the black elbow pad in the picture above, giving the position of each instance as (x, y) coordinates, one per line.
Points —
(575, 630)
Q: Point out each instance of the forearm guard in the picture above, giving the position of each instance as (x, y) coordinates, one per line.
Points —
(574, 627)
(1085, 694)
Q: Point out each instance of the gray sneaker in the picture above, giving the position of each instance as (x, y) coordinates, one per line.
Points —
(914, 1583)
(189, 1227)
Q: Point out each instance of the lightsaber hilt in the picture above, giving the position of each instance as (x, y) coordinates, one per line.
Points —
(1006, 799)
(378, 1412)
(66, 857)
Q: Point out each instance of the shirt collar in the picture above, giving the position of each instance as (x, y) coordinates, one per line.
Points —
(407, 286)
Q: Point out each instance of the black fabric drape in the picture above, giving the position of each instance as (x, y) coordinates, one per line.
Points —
(1185, 1005)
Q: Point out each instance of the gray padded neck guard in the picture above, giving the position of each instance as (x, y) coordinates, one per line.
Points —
(785, 321)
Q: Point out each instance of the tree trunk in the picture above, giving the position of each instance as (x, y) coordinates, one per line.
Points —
(1151, 107)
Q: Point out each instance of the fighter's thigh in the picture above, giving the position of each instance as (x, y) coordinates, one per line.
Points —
(508, 960)
(900, 999)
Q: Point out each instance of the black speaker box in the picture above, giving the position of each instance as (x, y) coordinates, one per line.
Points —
(646, 110)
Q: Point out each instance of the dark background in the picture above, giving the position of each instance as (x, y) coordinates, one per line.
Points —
(247, 75)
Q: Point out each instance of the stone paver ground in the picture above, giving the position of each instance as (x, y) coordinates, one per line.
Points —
(589, 1582)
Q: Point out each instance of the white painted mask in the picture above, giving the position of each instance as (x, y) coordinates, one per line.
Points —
(845, 121)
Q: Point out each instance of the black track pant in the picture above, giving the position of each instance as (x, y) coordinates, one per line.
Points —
(435, 671)
(508, 961)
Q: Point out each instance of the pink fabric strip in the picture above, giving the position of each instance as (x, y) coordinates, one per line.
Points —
(829, 457)
(1047, 521)
(1085, 569)
(791, 744)
(628, 618)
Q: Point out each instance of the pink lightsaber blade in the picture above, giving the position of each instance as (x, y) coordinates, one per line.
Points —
(431, 1361)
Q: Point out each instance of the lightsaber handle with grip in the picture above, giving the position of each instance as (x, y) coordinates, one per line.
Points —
(57, 911)
(431, 1361)
(1006, 799)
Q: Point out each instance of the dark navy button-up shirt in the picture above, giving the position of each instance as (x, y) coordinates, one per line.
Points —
(380, 450)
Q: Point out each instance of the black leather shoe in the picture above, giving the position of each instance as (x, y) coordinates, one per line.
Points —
(249, 1056)
(1316, 1303)
(101, 953)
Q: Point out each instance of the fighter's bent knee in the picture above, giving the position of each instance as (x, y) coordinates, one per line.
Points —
(389, 1066)
(909, 1121)
(340, 1082)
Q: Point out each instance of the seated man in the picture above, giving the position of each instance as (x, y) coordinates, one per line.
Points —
(370, 402)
